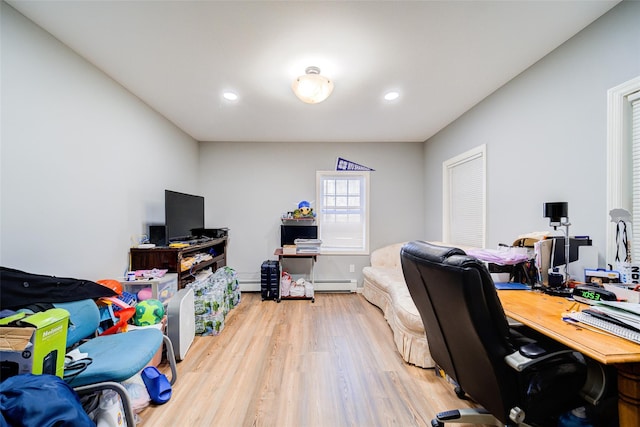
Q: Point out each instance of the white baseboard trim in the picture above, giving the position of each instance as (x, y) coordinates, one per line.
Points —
(320, 285)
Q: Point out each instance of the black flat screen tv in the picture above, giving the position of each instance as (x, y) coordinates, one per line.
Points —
(182, 213)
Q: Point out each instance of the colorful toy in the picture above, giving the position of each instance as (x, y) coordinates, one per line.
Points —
(114, 315)
(145, 294)
(114, 285)
(304, 210)
(148, 312)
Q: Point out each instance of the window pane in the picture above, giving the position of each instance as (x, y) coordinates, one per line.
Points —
(343, 218)
(354, 186)
(331, 187)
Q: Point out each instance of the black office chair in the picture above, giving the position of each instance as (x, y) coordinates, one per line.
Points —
(512, 376)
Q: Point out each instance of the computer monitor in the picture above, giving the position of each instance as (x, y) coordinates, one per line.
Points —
(289, 233)
(558, 249)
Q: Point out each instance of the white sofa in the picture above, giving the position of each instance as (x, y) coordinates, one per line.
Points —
(384, 286)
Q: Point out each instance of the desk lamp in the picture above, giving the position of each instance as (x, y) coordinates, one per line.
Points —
(558, 214)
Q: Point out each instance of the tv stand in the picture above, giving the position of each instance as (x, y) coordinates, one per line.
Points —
(171, 258)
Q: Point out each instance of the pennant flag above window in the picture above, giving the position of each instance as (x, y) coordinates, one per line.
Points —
(347, 165)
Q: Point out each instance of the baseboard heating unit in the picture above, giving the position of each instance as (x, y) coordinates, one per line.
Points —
(250, 285)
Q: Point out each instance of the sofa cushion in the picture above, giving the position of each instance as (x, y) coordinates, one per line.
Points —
(383, 278)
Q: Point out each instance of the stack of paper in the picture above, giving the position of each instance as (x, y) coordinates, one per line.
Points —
(625, 312)
(308, 246)
(618, 318)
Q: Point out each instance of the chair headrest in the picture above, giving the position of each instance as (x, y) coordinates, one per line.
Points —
(444, 256)
(431, 252)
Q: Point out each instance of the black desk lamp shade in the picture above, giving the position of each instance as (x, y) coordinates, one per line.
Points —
(555, 211)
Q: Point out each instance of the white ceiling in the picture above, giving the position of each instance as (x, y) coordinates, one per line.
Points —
(443, 57)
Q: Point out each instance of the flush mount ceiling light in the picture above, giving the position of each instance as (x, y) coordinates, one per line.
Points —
(312, 87)
(230, 96)
(390, 96)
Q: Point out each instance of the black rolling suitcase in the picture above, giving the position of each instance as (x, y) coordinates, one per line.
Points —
(270, 280)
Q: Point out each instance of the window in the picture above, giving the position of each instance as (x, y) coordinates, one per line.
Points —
(623, 165)
(463, 204)
(343, 211)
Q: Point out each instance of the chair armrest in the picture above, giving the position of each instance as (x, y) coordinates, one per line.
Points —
(533, 351)
(532, 355)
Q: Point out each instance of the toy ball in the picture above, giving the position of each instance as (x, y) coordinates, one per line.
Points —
(148, 312)
(144, 294)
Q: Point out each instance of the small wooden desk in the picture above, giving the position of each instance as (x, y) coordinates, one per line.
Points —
(544, 314)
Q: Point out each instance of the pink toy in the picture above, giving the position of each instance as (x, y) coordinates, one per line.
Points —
(144, 294)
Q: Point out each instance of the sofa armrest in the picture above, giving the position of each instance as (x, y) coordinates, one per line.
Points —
(387, 256)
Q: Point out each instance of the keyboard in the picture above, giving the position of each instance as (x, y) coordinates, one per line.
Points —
(620, 331)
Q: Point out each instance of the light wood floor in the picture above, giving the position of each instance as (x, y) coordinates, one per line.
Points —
(330, 363)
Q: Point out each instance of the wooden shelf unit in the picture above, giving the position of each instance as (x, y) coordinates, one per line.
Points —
(171, 258)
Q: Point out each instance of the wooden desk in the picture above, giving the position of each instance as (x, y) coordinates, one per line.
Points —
(544, 314)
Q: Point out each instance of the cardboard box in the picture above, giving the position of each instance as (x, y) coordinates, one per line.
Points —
(34, 343)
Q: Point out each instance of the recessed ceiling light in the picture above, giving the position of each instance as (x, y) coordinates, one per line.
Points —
(230, 96)
(390, 96)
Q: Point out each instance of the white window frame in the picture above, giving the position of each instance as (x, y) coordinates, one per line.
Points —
(449, 190)
(619, 166)
(362, 211)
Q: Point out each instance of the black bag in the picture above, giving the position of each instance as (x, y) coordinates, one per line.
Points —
(19, 289)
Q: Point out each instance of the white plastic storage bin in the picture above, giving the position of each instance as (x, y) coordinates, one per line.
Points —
(161, 289)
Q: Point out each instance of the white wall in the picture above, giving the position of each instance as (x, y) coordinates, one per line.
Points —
(84, 163)
(247, 186)
(546, 135)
